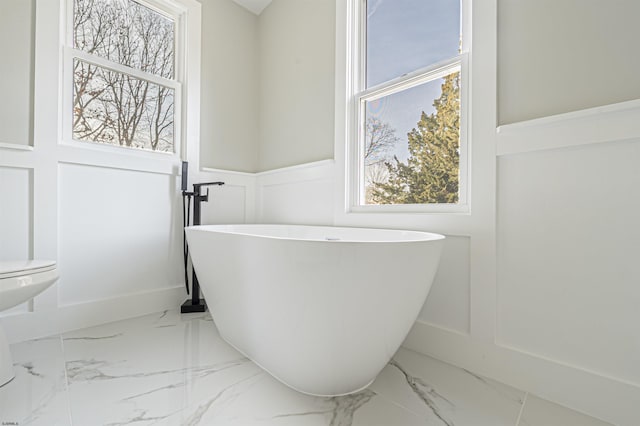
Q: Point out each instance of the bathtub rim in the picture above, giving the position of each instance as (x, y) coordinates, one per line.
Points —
(228, 229)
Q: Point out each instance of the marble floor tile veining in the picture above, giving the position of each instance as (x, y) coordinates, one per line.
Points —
(38, 393)
(172, 369)
(447, 395)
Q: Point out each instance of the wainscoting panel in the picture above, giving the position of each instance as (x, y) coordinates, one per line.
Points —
(297, 195)
(16, 213)
(227, 204)
(568, 245)
(448, 304)
(566, 291)
(16, 203)
(118, 234)
(298, 203)
(111, 218)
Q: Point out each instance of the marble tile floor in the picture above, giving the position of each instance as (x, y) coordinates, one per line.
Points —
(172, 369)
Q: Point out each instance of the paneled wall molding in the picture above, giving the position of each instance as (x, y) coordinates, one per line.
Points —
(228, 172)
(222, 197)
(16, 218)
(18, 158)
(601, 375)
(46, 320)
(615, 400)
(300, 194)
(72, 192)
(117, 158)
(278, 171)
(18, 147)
(608, 123)
(307, 171)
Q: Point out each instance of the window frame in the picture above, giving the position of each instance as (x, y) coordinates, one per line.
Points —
(167, 8)
(360, 94)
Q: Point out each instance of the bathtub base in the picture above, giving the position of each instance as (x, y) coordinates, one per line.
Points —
(275, 376)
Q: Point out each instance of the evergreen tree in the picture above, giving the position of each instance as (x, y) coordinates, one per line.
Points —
(431, 172)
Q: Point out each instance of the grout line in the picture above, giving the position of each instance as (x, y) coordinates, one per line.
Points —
(524, 401)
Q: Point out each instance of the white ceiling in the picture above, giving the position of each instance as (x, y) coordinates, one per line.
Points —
(255, 6)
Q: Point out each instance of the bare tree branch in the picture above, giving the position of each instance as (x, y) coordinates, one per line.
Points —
(380, 140)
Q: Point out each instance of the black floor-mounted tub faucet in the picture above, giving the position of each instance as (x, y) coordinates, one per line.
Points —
(195, 304)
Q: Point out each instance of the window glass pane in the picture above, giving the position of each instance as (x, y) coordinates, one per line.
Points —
(406, 35)
(117, 109)
(125, 32)
(412, 145)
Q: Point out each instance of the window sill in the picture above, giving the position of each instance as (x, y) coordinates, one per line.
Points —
(411, 209)
(99, 155)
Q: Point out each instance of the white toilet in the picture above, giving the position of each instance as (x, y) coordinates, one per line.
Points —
(19, 282)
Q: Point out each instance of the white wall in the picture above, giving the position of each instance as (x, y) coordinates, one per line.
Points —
(268, 84)
(297, 53)
(16, 70)
(229, 99)
(567, 249)
(16, 190)
(111, 218)
(449, 302)
(124, 218)
(15, 212)
(567, 229)
(568, 246)
(561, 56)
(297, 195)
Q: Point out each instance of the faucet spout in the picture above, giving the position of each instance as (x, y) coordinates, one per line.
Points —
(197, 193)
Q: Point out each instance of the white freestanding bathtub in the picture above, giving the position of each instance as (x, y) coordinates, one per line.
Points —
(322, 309)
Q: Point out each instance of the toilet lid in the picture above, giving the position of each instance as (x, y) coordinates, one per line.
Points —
(17, 268)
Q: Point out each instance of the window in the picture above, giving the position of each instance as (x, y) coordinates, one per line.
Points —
(409, 100)
(125, 86)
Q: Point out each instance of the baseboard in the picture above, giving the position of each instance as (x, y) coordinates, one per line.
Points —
(602, 397)
(47, 322)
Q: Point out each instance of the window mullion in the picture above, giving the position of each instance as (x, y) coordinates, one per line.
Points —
(123, 69)
(413, 79)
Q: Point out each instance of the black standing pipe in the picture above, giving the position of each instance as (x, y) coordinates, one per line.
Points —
(195, 285)
(186, 214)
(196, 304)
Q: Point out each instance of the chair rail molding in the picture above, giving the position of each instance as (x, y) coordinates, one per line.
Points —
(603, 124)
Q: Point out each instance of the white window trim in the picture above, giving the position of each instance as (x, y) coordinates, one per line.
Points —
(356, 96)
(112, 155)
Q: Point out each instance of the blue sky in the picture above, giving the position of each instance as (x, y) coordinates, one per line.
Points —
(402, 36)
